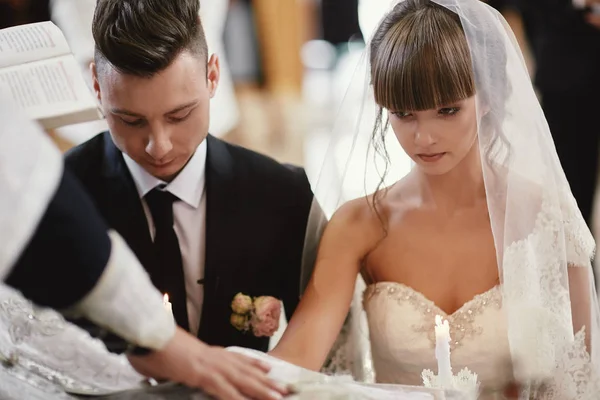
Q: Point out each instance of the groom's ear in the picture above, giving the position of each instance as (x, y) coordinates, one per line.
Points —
(95, 82)
(213, 74)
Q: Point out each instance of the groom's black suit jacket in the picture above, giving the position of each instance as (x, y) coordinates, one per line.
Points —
(256, 214)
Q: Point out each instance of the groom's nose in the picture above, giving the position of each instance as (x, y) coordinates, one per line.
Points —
(159, 144)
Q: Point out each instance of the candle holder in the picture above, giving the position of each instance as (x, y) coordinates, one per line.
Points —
(465, 381)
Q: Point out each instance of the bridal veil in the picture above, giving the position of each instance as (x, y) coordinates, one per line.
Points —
(543, 246)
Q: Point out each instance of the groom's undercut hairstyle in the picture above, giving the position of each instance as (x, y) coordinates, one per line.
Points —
(143, 37)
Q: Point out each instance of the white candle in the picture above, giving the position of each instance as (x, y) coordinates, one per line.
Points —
(442, 351)
(168, 306)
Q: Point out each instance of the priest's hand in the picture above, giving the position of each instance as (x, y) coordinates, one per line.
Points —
(216, 371)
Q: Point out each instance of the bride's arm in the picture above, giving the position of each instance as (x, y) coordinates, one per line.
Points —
(326, 301)
(582, 302)
(580, 248)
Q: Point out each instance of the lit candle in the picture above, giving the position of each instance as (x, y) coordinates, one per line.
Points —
(442, 352)
(168, 306)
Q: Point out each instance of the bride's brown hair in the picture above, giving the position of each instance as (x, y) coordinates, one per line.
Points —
(420, 58)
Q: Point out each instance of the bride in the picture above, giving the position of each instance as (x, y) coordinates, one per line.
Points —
(483, 231)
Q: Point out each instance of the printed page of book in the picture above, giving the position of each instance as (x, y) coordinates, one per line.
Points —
(53, 91)
(32, 42)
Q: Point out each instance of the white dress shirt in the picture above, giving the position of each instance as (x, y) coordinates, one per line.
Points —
(189, 215)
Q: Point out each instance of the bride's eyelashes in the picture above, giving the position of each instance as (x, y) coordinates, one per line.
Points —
(444, 112)
(448, 111)
(401, 114)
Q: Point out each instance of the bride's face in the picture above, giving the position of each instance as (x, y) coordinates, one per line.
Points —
(438, 139)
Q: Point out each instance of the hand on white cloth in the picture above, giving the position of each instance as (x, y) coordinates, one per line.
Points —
(218, 372)
(307, 384)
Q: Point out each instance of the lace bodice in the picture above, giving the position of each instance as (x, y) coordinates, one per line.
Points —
(401, 325)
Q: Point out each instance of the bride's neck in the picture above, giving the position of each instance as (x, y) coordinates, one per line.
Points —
(462, 187)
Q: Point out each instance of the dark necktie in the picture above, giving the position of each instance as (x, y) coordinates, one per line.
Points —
(171, 278)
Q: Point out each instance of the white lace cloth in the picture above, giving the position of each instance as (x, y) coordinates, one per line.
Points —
(41, 342)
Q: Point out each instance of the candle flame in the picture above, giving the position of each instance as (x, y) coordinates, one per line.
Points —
(166, 298)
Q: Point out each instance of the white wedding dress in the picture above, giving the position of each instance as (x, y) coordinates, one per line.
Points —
(401, 324)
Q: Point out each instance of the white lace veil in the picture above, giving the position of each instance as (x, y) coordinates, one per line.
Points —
(544, 247)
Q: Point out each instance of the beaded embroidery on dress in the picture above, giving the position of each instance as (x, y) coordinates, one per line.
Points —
(401, 326)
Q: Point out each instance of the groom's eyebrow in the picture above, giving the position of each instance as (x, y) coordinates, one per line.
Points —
(125, 112)
(182, 107)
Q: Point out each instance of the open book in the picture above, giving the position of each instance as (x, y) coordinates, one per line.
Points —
(39, 72)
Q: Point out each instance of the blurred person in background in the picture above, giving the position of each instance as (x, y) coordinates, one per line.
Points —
(565, 39)
(18, 12)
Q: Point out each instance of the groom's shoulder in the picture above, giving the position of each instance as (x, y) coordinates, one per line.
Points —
(252, 165)
(86, 158)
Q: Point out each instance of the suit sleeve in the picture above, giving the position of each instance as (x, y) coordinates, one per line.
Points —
(55, 248)
(72, 264)
(68, 252)
(301, 252)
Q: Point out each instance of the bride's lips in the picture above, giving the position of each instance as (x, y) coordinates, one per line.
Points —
(432, 157)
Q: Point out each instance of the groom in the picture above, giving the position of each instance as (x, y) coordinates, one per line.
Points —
(206, 219)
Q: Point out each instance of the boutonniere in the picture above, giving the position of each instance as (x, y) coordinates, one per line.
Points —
(261, 314)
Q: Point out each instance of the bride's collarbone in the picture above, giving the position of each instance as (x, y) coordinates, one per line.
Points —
(458, 247)
(449, 269)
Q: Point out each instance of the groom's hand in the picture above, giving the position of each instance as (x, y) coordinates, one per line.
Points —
(218, 372)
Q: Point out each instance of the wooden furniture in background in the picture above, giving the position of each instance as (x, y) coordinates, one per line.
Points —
(283, 26)
(61, 143)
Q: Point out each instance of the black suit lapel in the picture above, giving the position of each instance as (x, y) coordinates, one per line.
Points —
(220, 233)
(123, 209)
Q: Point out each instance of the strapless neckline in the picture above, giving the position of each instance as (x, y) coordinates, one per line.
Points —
(481, 297)
(401, 325)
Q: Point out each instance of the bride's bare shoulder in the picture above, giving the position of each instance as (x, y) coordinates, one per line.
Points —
(355, 212)
(352, 231)
(370, 214)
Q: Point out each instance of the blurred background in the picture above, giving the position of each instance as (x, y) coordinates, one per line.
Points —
(287, 63)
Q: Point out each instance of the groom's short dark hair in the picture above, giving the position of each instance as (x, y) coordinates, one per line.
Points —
(143, 37)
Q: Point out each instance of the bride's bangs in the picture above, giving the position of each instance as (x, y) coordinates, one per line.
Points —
(422, 63)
